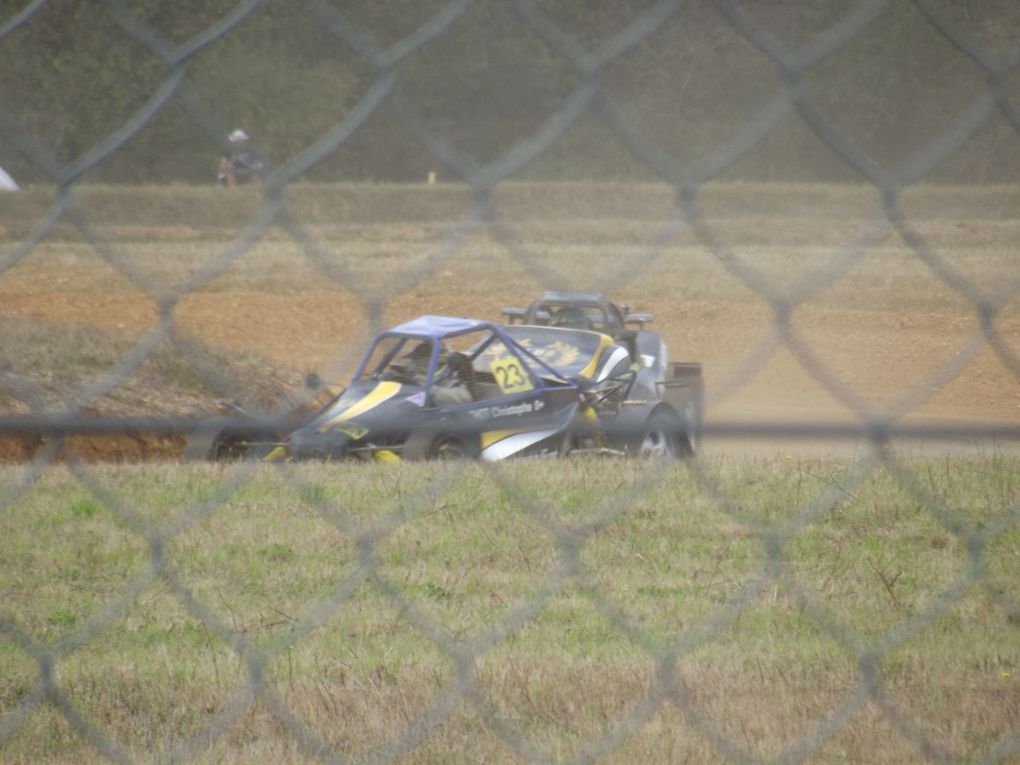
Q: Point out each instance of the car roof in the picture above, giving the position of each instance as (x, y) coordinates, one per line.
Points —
(567, 296)
(439, 326)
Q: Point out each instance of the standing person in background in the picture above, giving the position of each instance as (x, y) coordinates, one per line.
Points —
(241, 164)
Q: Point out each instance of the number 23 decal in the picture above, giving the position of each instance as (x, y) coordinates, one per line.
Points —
(510, 376)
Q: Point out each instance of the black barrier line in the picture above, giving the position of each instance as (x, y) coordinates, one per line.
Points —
(879, 430)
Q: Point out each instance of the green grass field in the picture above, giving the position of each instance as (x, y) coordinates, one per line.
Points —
(638, 611)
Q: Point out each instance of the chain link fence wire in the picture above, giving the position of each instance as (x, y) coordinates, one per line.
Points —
(588, 99)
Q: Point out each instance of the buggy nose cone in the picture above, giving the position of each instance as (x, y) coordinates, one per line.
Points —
(309, 443)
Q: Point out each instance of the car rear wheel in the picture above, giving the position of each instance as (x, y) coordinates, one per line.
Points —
(658, 439)
(691, 436)
(690, 439)
(434, 445)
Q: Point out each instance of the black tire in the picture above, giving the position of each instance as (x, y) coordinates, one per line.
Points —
(690, 434)
(217, 446)
(690, 438)
(427, 444)
(661, 437)
(567, 444)
(203, 445)
(581, 434)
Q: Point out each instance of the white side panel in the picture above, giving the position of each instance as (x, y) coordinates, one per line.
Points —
(511, 445)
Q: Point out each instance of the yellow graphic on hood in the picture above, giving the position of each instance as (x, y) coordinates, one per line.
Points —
(556, 354)
(384, 391)
(279, 454)
(589, 371)
(561, 354)
(491, 437)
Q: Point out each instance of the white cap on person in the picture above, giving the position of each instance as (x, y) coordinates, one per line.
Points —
(238, 135)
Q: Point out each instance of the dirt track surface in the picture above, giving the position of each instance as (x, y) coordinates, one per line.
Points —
(880, 359)
(878, 344)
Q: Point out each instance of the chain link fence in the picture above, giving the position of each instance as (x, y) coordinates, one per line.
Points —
(664, 686)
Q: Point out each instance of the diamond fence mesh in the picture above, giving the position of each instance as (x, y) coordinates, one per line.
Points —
(426, 682)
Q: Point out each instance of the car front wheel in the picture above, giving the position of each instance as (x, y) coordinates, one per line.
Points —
(432, 445)
(206, 445)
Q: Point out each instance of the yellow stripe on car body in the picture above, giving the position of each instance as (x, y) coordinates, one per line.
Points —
(494, 436)
(604, 342)
(382, 392)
